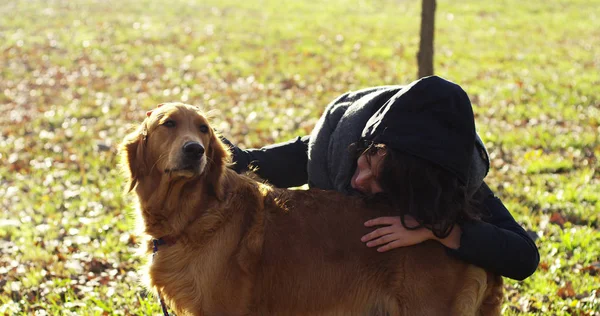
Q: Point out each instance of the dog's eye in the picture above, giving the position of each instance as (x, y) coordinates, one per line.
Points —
(169, 123)
(203, 128)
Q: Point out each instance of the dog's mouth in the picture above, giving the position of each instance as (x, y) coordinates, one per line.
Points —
(187, 170)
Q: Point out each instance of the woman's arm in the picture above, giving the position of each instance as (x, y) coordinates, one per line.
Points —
(498, 243)
(282, 164)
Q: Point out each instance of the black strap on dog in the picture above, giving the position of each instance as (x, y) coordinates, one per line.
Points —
(155, 244)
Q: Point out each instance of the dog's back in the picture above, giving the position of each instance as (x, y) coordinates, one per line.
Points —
(312, 245)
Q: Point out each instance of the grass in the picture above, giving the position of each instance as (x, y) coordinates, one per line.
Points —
(76, 75)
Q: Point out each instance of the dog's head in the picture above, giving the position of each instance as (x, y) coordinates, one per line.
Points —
(175, 140)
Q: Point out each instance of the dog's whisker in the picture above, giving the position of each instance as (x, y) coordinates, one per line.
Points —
(209, 162)
(163, 155)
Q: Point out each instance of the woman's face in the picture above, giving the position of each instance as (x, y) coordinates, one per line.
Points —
(365, 175)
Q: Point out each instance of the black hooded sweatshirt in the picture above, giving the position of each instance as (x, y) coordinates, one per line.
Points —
(432, 119)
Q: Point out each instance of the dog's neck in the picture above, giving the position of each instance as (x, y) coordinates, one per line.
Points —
(168, 211)
(165, 210)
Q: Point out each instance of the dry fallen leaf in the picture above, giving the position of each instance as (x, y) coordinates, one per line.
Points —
(592, 269)
(566, 291)
(558, 219)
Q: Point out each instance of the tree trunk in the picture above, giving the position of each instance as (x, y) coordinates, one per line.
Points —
(425, 54)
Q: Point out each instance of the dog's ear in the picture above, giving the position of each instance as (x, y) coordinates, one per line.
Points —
(132, 155)
(218, 157)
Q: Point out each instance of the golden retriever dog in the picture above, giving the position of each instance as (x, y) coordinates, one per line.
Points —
(232, 245)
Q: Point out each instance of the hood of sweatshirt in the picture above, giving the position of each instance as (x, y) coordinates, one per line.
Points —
(431, 118)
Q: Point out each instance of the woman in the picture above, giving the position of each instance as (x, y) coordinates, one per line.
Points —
(399, 133)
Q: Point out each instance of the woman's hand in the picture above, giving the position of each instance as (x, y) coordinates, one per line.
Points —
(394, 235)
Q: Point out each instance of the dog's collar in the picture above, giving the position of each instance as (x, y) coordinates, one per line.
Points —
(165, 240)
(155, 243)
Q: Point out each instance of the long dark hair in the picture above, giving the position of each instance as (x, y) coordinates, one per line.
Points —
(434, 197)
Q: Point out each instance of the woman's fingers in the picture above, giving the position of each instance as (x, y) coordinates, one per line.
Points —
(377, 233)
(387, 220)
(382, 240)
(393, 234)
(401, 238)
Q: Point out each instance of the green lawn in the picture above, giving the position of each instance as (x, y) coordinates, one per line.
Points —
(75, 76)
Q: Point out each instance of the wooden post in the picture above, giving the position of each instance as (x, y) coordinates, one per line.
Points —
(425, 54)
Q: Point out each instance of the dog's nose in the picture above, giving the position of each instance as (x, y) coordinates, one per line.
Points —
(193, 150)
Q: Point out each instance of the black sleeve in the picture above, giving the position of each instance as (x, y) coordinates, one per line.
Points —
(283, 165)
(498, 243)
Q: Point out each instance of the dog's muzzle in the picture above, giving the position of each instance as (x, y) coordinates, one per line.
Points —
(190, 161)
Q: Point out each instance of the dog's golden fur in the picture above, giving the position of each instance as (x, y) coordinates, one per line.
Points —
(236, 246)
